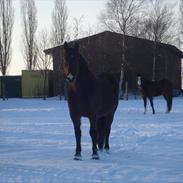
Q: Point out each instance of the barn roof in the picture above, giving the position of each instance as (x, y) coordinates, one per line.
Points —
(170, 47)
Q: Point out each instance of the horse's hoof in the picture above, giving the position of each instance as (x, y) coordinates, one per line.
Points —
(100, 149)
(95, 156)
(78, 157)
(107, 151)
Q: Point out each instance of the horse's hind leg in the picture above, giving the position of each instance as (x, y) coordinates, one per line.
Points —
(109, 120)
(167, 103)
(152, 105)
(93, 134)
(170, 103)
(168, 99)
(101, 133)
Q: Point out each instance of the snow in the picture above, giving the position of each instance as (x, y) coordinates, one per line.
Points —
(37, 144)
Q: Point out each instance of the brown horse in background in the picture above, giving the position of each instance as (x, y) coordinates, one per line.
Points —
(89, 96)
(149, 89)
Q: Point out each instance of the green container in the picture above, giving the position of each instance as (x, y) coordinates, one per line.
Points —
(33, 83)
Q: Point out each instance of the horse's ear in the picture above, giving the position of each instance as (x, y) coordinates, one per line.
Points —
(65, 45)
(76, 46)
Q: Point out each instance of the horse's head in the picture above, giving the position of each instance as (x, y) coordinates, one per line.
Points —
(139, 80)
(71, 64)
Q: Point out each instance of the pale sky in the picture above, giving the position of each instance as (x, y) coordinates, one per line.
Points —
(89, 9)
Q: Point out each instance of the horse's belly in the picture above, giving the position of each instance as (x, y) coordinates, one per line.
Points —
(156, 93)
(92, 105)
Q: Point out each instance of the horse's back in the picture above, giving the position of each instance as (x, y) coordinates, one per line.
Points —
(157, 88)
(165, 85)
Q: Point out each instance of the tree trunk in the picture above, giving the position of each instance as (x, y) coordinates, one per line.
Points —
(122, 66)
(154, 61)
(126, 90)
(45, 85)
(4, 88)
(121, 80)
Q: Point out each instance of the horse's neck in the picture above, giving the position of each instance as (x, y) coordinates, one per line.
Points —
(84, 80)
(85, 76)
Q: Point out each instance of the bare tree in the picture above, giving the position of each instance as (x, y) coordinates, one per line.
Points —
(157, 26)
(29, 13)
(77, 22)
(159, 21)
(119, 16)
(181, 24)
(59, 28)
(91, 29)
(59, 21)
(180, 40)
(6, 27)
(44, 63)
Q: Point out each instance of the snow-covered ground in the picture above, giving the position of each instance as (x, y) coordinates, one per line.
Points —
(37, 144)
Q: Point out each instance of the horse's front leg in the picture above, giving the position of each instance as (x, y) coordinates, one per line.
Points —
(77, 130)
(145, 104)
(93, 134)
(152, 105)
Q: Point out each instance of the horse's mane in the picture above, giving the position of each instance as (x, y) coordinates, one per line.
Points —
(82, 61)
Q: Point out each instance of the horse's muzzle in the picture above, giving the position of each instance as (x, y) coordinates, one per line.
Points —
(69, 76)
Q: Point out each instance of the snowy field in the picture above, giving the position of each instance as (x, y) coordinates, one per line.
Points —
(37, 144)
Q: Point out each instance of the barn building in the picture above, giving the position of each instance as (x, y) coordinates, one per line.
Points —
(103, 53)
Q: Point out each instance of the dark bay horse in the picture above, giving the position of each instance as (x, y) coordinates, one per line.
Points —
(149, 89)
(89, 96)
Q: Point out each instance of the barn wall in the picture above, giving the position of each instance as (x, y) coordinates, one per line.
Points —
(103, 54)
